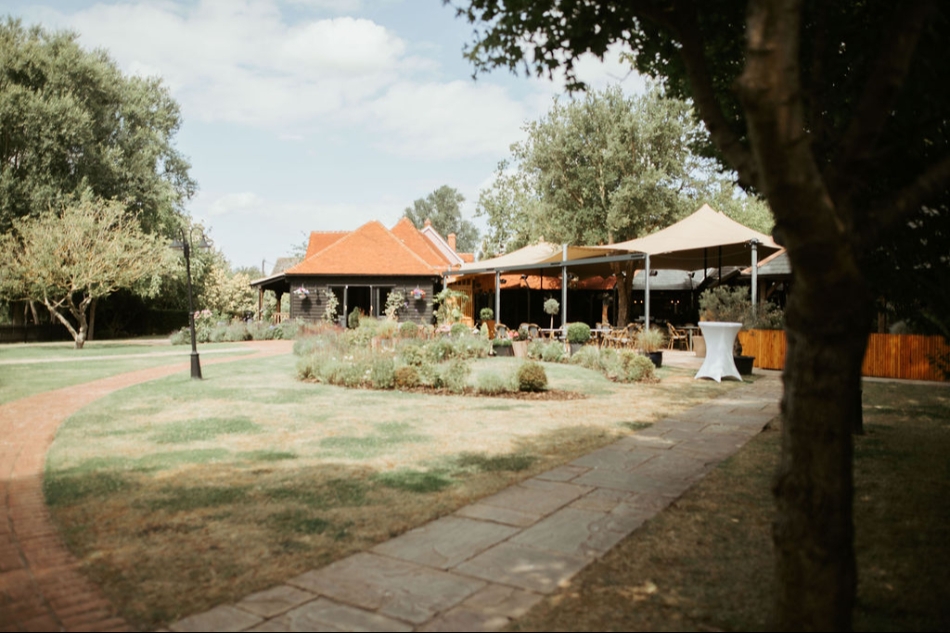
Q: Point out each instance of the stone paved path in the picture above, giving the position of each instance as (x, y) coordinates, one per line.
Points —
(41, 588)
(489, 562)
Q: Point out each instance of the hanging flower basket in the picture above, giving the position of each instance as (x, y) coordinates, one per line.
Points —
(418, 293)
(301, 292)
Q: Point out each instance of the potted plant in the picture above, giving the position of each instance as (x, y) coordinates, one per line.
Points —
(519, 342)
(551, 307)
(730, 305)
(650, 343)
(578, 334)
(502, 346)
(487, 317)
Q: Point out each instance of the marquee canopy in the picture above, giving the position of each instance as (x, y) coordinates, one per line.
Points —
(705, 239)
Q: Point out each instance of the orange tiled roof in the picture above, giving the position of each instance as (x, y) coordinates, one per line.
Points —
(319, 240)
(406, 231)
(371, 249)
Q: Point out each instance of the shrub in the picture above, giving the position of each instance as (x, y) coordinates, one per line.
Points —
(486, 314)
(492, 384)
(408, 329)
(429, 374)
(455, 375)
(532, 377)
(459, 330)
(553, 352)
(406, 377)
(650, 340)
(181, 337)
(578, 333)
(411, 352)
(383, 373)
(589, 357)
(723, 303)
(439, 350)
(386, 329)
(535, 349)
(636, 367)
(353, 320)
(471, 346)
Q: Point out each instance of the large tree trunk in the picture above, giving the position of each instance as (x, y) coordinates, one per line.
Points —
(624, 272)
(827, 321)
(92, 319)
(813, 532)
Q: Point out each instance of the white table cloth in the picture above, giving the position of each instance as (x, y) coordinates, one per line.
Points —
(720, 337)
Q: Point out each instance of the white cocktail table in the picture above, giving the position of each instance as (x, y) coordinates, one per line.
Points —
(720, 337)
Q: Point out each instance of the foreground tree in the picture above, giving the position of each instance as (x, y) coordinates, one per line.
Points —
(837, 114)
(69, 260)
(70, 121)
(443, 207)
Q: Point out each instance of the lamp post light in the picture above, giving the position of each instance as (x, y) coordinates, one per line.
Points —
(185, 244)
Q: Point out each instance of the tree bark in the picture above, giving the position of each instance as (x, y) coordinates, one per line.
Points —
(92, 319)
(827, 322)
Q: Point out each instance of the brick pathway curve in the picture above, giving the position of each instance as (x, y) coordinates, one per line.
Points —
(41, 588)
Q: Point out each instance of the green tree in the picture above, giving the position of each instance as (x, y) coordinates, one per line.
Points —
(601, 169)
(70, 121)
(836, 113)
(70, 259)
(228, 293)
(443, 208)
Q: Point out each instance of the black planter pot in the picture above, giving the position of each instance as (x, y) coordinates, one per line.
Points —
(656, 358)
(744, 364)
(504, 350)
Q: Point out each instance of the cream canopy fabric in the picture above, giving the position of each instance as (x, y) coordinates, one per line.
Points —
(706, 238)
(534, 254)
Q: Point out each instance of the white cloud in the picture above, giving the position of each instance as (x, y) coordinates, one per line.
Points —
(241, 61)
(236, 202)
(445, 120)
(336, 6)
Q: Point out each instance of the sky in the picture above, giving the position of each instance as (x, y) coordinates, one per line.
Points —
(318, 115)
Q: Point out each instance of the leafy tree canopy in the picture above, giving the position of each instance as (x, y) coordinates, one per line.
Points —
(70, 121)
(443, 208)
(70, 259)
(606, 168)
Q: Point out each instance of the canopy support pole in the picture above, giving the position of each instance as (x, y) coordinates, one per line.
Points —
(755, 278)
(564, 290)
(646, 295)
(497, 296)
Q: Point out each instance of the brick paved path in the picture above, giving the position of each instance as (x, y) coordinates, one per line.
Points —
(41, 588)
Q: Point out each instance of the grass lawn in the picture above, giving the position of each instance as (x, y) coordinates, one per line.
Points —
(178, 495)
(26, 370)
(706, 562)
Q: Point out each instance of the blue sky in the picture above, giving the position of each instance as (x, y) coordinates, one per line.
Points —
(303, 115)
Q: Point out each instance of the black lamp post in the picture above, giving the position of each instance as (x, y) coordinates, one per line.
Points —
(184, 244)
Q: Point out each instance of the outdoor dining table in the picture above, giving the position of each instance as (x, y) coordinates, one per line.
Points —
(720, 337)
(690, 333)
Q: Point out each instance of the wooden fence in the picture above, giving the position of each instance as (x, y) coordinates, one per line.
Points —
(908, 356)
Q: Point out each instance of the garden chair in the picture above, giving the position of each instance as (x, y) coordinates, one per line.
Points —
(677, 335)
(533, 331)
(501, 330)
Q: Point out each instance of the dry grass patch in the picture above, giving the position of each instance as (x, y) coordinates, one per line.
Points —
(706, 563)
(179, 495)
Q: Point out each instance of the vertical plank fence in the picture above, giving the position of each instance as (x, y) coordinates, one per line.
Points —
(907, 356)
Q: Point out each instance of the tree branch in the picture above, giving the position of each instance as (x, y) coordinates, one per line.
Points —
(906, 202)
(884, 83)
(736, 153)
